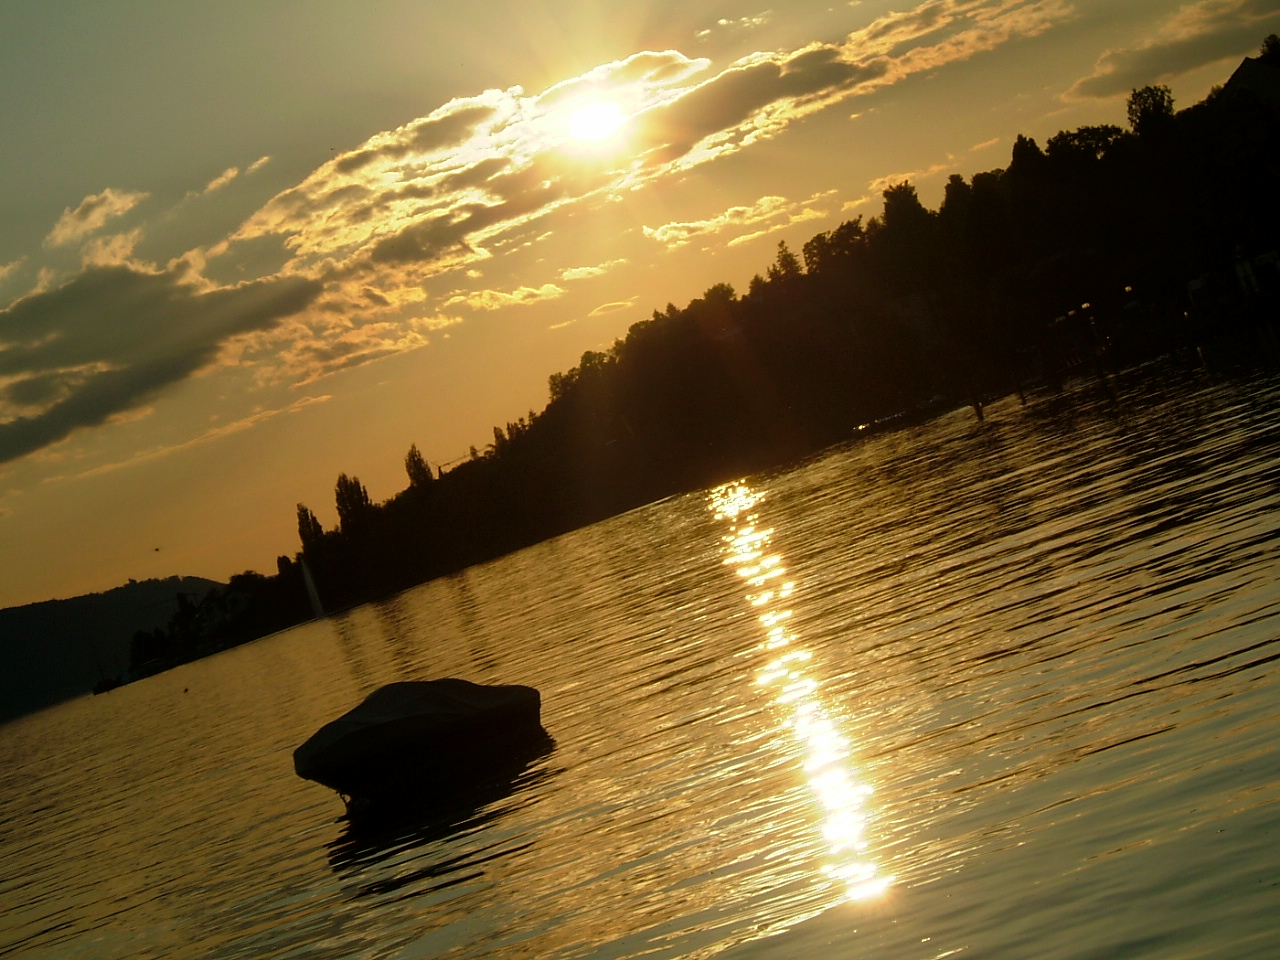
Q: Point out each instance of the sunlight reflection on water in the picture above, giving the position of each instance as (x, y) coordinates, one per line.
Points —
(840, 795)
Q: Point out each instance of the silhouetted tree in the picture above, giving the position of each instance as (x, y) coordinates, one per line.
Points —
(309, 530)
(904, 242)
(826, 252)
(1087, 143)
(1027, 159)
(1270, 52)
(354, 505)
(903, 209)
(1150, 110)
(499, 442)
(416, 467)
(785, 269)
(722, 293)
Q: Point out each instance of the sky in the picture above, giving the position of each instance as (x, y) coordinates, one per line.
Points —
(246, 247)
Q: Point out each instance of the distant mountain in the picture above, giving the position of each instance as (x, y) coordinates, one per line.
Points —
(60, 649)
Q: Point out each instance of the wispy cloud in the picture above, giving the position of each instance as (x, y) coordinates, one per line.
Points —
(115, 248)
(583, 273)
(497, 299)
(307, 359)
(780, 210)
(880, 184)
(607, 308)
(739, 24)
(222, 179)
(935, 35)
(10, 268)
(93, 212)
(1195, 35)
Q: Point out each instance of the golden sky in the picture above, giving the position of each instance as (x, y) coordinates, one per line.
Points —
(249, 246)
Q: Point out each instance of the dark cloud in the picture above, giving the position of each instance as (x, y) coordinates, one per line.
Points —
(536, 183)
(36, 391)
(413, 191)
(1236, 31)
(448, 130)
(422, 136)
(351, 162)
(729, 100)
(821, 70)
(718, 105)
(114, 337)
(523, 192)
(420, 242)
(476, 174)
(910, 26)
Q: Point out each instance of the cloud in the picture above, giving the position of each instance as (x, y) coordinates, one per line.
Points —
(423, 242)
(752, 100)
(583, 273)
(889, 32)
(741, 23)
(10, 268)
(959, 30)
(114, 248)
(310, 359)
(257, 165)
(801, 217)
(222, 179)
(854, 204)
(778, 209)
(880, 184)
(497, 299)
(113, 338)
(326, 340)
(91, 215)
(1195, 35)
(614, 307)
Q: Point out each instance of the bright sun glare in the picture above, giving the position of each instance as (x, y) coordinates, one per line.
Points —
(596, 121)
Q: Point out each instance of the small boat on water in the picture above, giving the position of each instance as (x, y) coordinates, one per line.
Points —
(424, 741)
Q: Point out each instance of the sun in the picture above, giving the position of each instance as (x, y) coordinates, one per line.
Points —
(596, 121)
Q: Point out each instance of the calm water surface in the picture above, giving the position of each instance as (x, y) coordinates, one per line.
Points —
(1008, 689)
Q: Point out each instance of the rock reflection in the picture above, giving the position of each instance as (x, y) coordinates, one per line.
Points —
(839, 795)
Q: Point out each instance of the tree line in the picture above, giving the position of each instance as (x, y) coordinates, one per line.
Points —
(1103, 248)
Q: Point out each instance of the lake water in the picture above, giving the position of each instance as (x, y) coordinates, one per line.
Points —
(1000, 689)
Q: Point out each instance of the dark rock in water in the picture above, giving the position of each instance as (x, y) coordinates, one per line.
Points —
(424, 740)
